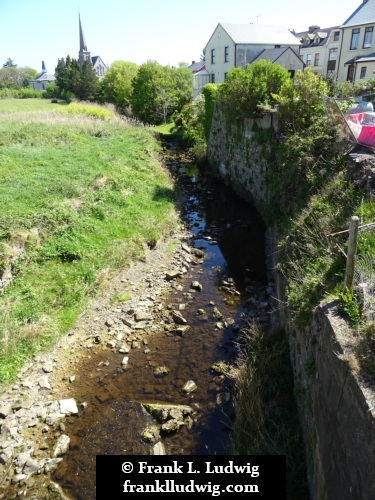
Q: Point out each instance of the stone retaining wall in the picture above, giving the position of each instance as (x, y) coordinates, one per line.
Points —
(337, 408)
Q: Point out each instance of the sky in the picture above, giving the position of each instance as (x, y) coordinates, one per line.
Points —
(166, 31)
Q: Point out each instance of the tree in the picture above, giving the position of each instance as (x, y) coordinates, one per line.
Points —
(74, 77)
(71, 78)
(145, 99)
(89, 82)
(116, 85)
(62, 78)
(16, 78)
(159, 91)
(183, 80)
(9, 64)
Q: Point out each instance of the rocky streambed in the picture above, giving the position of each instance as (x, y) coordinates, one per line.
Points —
(144, 369)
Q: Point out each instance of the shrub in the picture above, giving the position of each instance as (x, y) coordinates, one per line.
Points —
(22, 93)
(88, 110)
(210, 92)
(250, 92)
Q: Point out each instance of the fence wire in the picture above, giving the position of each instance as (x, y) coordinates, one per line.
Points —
(364, 283)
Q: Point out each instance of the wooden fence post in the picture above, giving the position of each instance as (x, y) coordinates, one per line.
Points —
(352, 250)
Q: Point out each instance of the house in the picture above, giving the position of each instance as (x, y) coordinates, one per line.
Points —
(357, 54)
(319, 49)
(237, 45)
(41, 81)
(284, 56)
(84, 54)
(195, 67)
(200, 76)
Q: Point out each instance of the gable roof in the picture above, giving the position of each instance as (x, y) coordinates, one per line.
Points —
(196, 66)
(274, 54)
(271, 54)
(95, 59)
(259, 34)
(44, 77)
(364, 14)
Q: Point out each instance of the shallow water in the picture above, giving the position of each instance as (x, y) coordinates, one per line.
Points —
(231, 234)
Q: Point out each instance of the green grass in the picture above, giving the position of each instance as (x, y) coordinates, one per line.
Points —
(26, 105)
(78, 195)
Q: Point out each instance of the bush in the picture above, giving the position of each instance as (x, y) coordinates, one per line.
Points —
(22, 93)
(250, 92)
(88, 110)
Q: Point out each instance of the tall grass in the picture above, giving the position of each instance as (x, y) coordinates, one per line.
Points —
(266, 417)
(78, 194)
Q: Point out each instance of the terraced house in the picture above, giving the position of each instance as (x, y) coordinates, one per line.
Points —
(320, 48)
(357, 48)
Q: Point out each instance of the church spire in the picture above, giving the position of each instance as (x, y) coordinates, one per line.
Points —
(82, 41)
(83, 52)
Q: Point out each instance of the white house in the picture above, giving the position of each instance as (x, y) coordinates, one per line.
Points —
(235, 45)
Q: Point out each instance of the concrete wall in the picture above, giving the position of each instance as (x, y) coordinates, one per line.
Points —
(337, 408)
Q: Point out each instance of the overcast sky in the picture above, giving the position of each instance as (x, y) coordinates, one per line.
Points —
(167, 31)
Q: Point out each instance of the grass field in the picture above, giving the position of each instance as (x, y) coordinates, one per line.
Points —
(80, 190)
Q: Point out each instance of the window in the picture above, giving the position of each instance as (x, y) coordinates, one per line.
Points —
(336, 36)
(225, 76)
(367, 41)
(212, 77)
(316, 41)
(308, 60)
(316, 60)
(350, 73)
(355, 39)
(363, 72)
(212, 56)
(332, 56)
(226, 54)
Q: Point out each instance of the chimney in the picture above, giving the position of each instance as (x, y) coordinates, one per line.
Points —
(314, 27)
(192, 62)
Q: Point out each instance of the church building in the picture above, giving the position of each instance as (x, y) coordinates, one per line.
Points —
(42, 80)
(84, 54)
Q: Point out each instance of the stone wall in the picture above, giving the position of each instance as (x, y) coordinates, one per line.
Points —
(239, 154)
(337, 407)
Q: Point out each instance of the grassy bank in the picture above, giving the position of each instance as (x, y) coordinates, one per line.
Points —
(81, 193)
(266, 420)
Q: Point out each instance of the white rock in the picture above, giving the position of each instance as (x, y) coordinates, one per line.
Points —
(190, 386)
(68, 406)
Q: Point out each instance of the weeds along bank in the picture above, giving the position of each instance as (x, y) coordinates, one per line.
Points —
(292, 166)
(82, 192)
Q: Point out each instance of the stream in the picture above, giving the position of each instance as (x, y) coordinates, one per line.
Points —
(233, 279)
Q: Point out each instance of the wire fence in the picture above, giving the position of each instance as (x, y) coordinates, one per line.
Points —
(364, 283)
(360, 268)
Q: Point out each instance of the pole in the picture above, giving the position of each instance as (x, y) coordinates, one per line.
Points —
(352, 250)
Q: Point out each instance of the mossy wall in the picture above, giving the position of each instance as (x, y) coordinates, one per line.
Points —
(240, 153)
